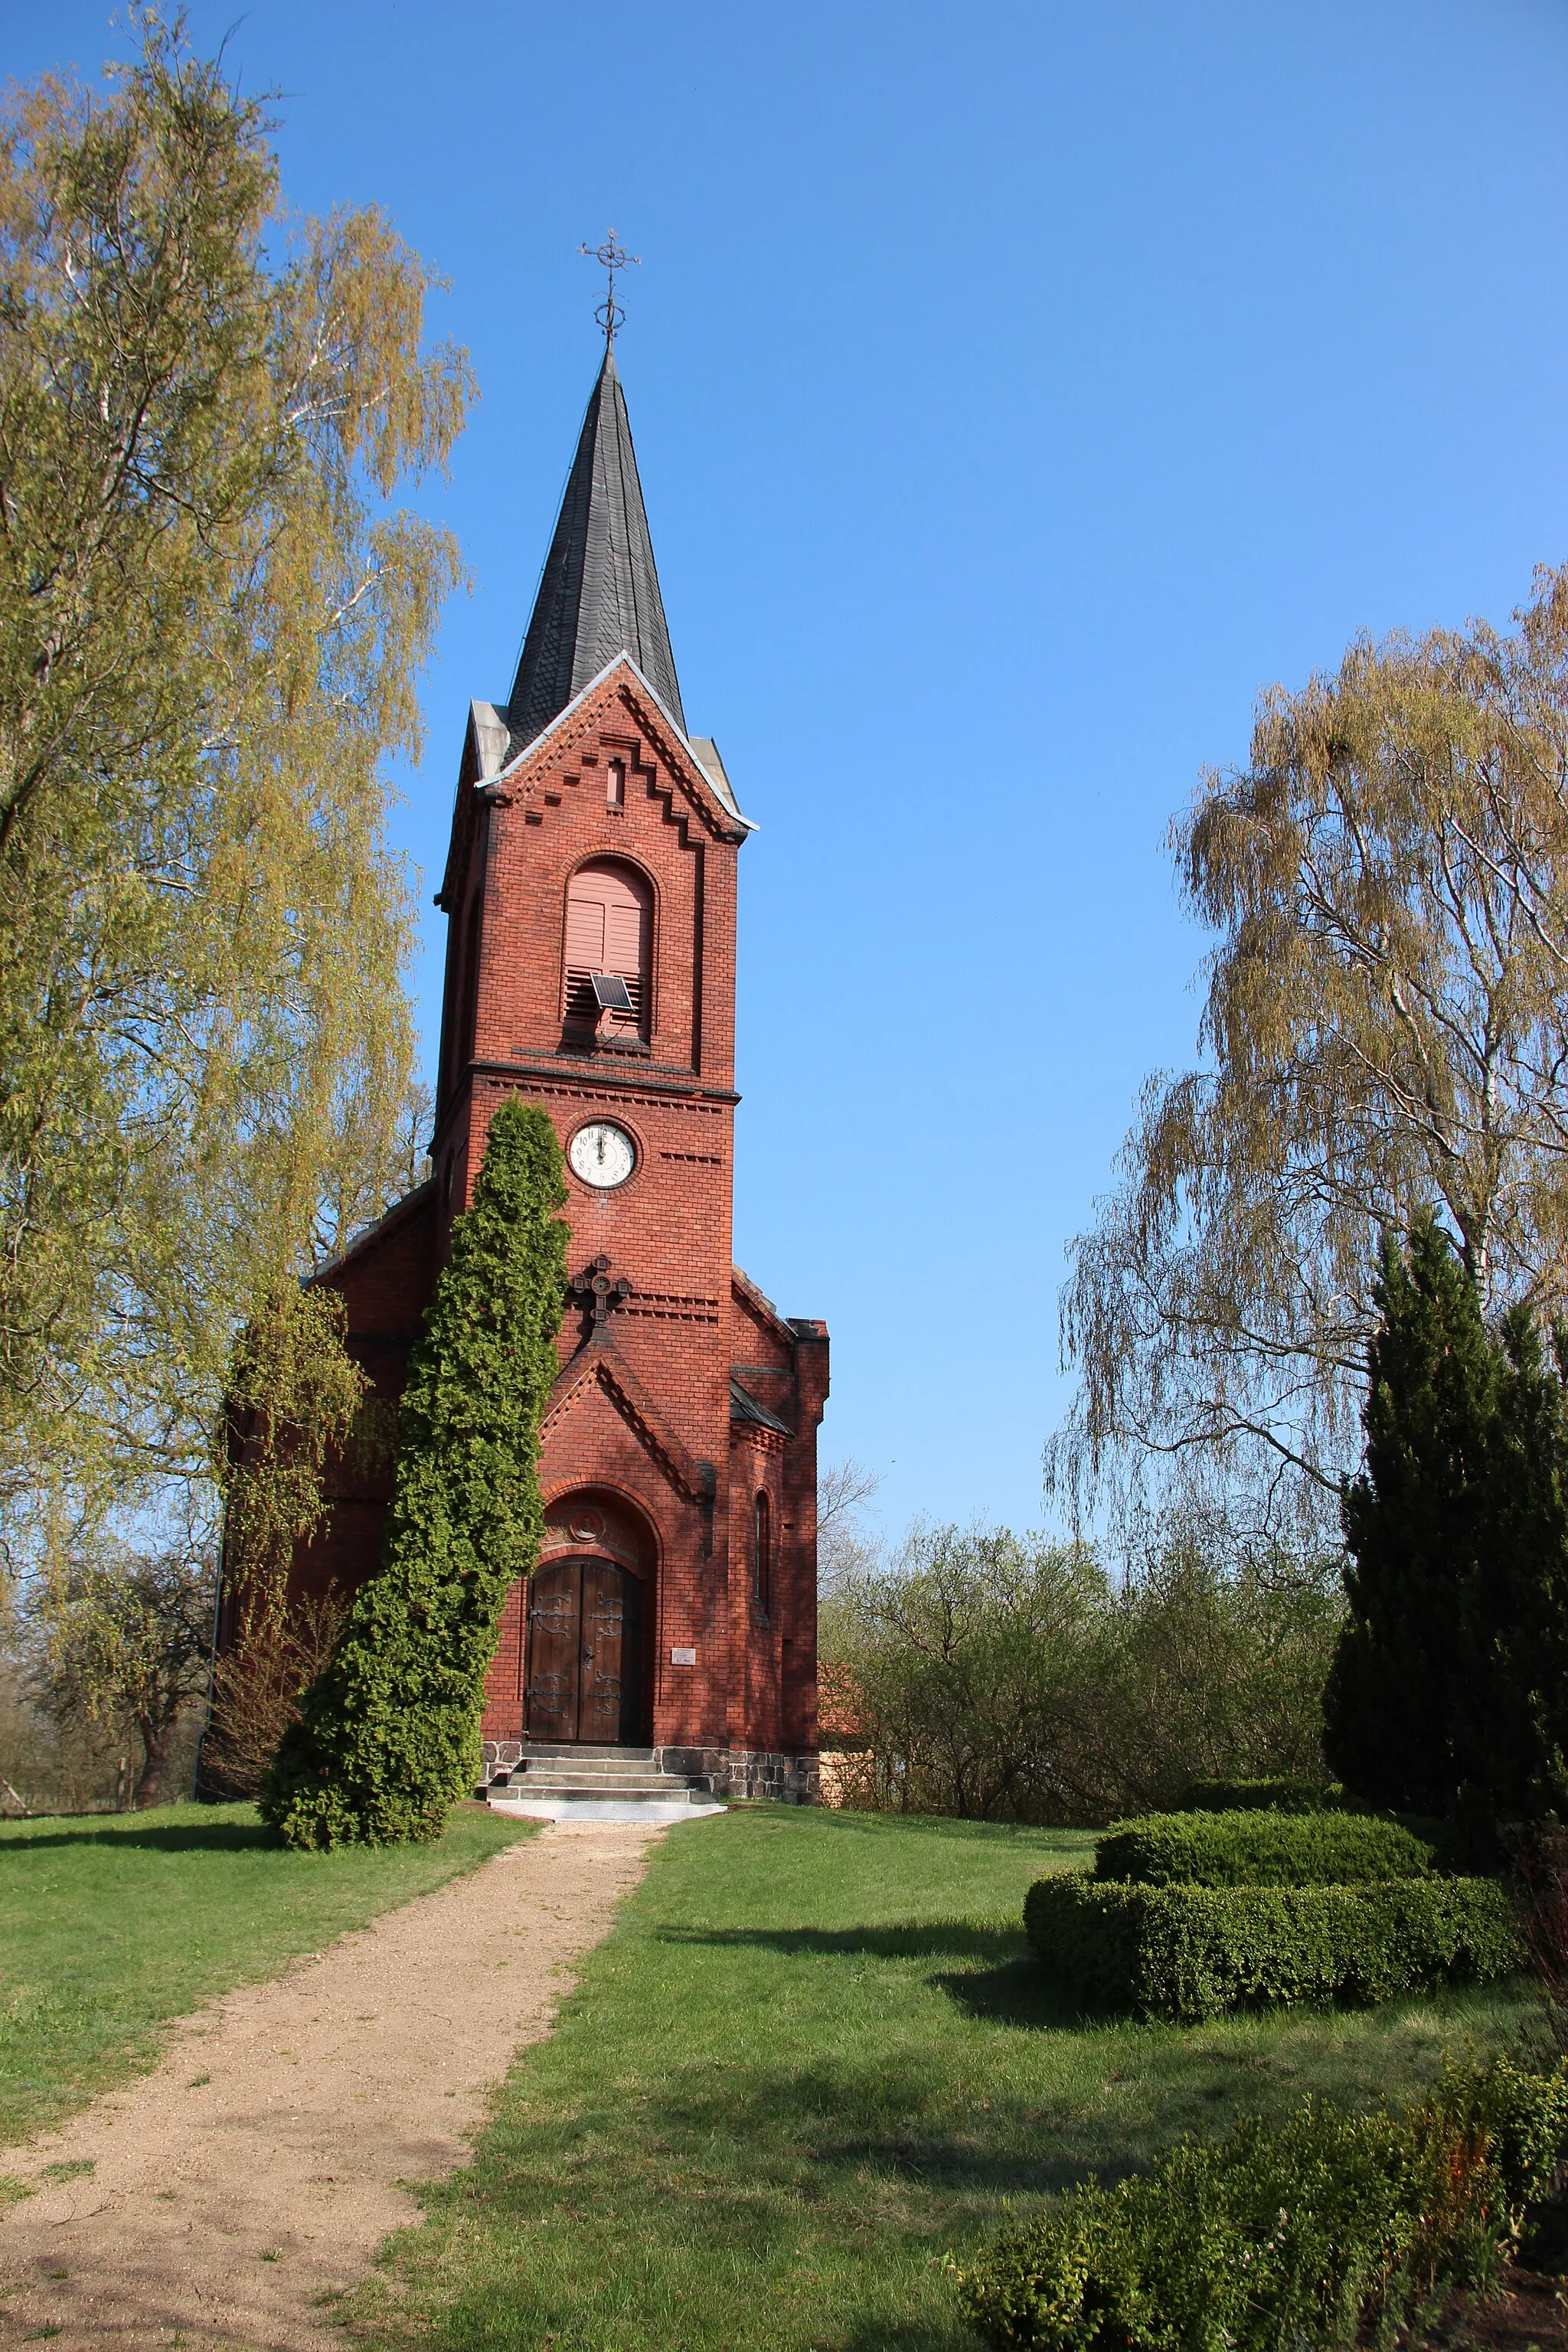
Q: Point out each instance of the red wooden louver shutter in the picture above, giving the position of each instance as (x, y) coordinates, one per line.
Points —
(608, 929)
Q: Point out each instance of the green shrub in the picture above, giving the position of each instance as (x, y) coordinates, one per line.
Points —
(1283, 1796)
(1325, 2230)
(388, 1735)
(1192, 1952)
(1260, 1849)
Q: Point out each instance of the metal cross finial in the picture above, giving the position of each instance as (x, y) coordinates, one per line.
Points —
(611, 256)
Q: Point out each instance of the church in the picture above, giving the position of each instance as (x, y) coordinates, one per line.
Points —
(590, 895)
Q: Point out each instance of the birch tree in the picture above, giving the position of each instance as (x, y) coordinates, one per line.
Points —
(212, 613)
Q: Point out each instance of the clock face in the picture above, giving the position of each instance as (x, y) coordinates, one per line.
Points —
(602, 1154)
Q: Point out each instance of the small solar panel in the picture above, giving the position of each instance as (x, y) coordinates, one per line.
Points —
(611, 993)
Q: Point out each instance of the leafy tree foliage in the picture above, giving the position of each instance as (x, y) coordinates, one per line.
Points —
(294, 1400)
(212, 615)
(127, 1639)
(291, 1402)
(1211, 1664)
(123, 1634)
(1002, 1677)
(257, 1684)
(1386, 1026)
(388, 1735)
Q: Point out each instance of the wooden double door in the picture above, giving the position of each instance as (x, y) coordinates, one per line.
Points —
(584, 1652)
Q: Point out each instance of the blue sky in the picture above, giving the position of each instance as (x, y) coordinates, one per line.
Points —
(1017, 389)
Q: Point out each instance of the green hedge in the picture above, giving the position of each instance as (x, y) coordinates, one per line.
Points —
(1326, 2231)
(1283, 1796)
(1192, 1952)
(1260, 1849)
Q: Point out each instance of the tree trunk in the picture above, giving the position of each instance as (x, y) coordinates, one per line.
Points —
(154, 1757)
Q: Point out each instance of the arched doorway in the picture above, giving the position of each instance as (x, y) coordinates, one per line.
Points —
(590, 1626)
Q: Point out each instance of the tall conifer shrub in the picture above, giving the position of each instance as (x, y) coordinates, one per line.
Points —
(1415, 1530)
(1449, 1689)
(1513, 1736)
(388, 1735)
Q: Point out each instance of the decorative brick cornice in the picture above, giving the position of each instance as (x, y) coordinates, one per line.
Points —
(766, 1441)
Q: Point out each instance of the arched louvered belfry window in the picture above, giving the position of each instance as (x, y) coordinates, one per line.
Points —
(763, 1556)
(609, 931)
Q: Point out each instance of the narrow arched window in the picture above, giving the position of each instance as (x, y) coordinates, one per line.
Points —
(763, 1556)
(609, 935)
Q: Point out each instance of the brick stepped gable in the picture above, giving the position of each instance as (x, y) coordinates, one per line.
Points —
(575, 1773)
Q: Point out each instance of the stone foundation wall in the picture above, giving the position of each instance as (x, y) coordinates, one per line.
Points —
(745, 1772)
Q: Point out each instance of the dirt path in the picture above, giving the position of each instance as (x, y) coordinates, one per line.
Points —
(228, 2196)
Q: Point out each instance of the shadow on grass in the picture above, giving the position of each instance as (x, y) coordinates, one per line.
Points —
(1011, 1988)
(1022, 1991)
(919, 1940)
(833, 2123)
(903, 2335)
(847, 1823)
(185, 1837)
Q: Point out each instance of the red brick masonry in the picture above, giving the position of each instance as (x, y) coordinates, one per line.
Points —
(647, 1441)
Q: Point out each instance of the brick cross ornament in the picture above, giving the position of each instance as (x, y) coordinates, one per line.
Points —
(594, 1288)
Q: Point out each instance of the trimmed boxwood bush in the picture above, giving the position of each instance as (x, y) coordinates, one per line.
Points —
(1260, 1849)
(1325, 2231)
(1282, 1796)
(1190, 1952)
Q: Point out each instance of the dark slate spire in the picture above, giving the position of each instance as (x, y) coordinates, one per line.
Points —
(599, 595)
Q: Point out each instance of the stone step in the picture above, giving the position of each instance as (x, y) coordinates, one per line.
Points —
(644, 1779)
(578, 1772)
(612, 1784)
(561, 1751)
(554, 1792)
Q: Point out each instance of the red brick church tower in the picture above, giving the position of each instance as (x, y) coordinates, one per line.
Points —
(590, 892)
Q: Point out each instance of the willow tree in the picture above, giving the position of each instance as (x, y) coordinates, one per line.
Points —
(212, 616)
(1386, 1025)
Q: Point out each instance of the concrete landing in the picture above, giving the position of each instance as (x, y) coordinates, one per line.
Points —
(653, 1810)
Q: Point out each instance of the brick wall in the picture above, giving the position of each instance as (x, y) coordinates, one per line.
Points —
(641, 1415)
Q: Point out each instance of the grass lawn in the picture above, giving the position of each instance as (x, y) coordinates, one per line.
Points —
(815, 2055)
(112, 1924)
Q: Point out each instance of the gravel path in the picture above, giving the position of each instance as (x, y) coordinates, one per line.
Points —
(229, 2197)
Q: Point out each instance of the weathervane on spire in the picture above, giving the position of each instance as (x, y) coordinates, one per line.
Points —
(611, 256)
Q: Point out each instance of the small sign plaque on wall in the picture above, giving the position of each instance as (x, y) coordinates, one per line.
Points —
(683, 1657)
